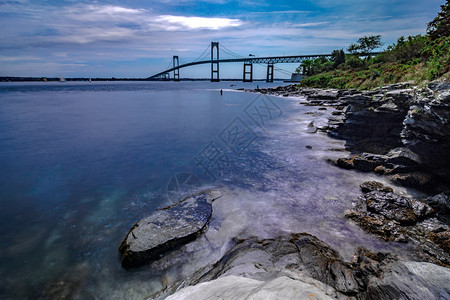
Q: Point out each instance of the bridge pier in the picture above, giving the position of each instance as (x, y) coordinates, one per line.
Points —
(166, 76)
(269, 73)
(215, 62)
(248, 70)
(176, 72)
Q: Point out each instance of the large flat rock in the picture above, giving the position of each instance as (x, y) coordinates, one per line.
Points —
(167, 229)
(235, 287)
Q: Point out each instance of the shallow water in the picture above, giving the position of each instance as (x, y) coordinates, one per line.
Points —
(82, 162)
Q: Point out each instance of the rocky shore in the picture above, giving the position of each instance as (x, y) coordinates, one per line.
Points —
(399, 131)
(300, 266)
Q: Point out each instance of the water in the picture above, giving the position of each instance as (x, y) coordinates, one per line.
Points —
(82, 162)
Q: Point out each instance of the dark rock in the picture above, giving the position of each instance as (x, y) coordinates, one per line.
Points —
(371, 186)
(363, 164)
(345, 163)
(322, 108)
(388, 230)
(441, 238)
(308, 147)
(395, 207)
(166, 229)
(441, 199)
(403, 156)
(420, 180)
(380, 169)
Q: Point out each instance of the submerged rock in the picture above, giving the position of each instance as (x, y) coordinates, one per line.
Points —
(167, 229)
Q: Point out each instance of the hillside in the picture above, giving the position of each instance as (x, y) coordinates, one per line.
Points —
(415, 58)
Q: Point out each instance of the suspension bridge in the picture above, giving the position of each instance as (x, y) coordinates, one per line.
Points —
(211, 56)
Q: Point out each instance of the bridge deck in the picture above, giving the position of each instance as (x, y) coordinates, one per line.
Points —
(260, 60)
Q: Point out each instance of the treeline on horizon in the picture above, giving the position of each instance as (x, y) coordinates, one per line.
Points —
(418, 58)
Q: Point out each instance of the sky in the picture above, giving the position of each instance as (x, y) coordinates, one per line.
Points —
(137, 38)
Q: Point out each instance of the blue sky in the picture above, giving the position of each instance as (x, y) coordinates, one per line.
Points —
(136, 38)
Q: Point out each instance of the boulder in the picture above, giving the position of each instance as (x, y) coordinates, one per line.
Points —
(412, 281)
(167, 229)
(371, 186)
(395, 207)
(386, 229)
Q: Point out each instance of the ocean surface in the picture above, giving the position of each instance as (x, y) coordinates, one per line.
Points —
(81, 162)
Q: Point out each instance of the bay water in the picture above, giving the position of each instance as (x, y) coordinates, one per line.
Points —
(81, 162)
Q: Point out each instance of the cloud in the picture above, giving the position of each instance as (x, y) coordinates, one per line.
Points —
(182, 23)
(313, 24)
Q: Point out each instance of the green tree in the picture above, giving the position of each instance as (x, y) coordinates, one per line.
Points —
(366, 44)
(440, 26)
(337, 57)
(305, 67)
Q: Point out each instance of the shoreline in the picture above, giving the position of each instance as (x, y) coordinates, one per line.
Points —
(379, 211)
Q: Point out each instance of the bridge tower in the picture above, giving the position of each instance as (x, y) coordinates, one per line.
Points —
(269, 73)
(215, 62)
(248, 70)
(176, 72)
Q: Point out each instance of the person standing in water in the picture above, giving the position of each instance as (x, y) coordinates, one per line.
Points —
(221, 92)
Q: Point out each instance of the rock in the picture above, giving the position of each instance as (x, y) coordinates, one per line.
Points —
(380, 169)
(370, 186)
(441, 238)
(395, 207)
(410, 280)
(345, 163)
(441, 199)
(236, 287)
(167, 229)
(301, 266)
(403, 156)
(388, 230)
(321, 94)
(420, 180)
(301, 256)
(311, 128)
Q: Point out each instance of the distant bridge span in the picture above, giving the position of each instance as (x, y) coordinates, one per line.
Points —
(248, 64)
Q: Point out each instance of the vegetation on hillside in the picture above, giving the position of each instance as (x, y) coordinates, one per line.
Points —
(417, 58)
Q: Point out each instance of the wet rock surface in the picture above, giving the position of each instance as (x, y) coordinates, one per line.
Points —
(167, 229)
(399, 130)
(299, 266)
(400, 219)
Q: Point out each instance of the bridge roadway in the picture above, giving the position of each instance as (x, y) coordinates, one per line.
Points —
(249, 60)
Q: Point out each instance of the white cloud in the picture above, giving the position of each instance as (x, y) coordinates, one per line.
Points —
(180, 22)
(313, 24)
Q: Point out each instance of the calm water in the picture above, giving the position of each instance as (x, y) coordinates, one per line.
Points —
(82, 162)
